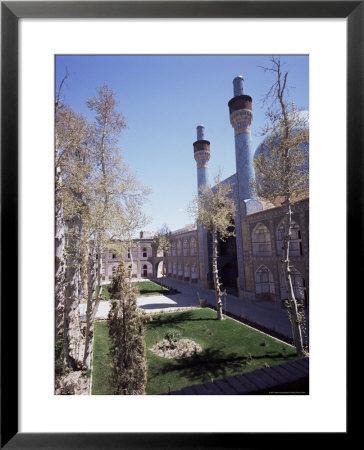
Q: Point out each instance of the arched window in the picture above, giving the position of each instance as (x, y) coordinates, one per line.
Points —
(298, 284)
(193, 247)
(179, 248)
(174, 248)
(185, 247)
(264, 282)
(261, 241)
(194, 271)
(295, 245)
(187, 270)
(145, 271)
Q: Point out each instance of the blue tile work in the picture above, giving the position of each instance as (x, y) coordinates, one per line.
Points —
(202, 177)
(202, 239)
(244, 164)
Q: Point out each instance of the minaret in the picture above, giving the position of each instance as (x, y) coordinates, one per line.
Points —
(201, 149)
(241, 116)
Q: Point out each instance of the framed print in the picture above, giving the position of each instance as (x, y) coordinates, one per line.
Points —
(32, 34)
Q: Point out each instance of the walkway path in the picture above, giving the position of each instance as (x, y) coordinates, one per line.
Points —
(267, 314)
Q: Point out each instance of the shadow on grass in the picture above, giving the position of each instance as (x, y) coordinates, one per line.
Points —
(152, 306)
(152, 291)
(215, 364)
(169, 319)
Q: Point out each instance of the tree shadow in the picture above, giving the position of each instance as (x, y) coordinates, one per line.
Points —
(147, 292)
(212, 364)
(169, 319)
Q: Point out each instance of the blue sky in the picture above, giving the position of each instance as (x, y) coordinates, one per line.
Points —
(163, 99)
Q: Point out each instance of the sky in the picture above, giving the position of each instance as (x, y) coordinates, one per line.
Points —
(163, 98)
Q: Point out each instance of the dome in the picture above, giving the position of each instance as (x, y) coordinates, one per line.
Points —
(262, 148)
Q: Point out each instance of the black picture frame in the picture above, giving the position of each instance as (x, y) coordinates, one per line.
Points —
(11, 12)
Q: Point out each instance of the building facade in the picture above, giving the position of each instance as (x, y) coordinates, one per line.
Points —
(250, 262)
(145, 262)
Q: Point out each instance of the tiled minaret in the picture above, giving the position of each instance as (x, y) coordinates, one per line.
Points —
(201, 150)
(241, 116)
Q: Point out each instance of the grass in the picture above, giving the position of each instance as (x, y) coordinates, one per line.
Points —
(105, 292)
(228, 348)
(146, 288)
(101, 362)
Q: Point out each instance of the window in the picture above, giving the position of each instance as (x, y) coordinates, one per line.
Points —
(179, 248)
(185, 247)
(180, 271)
(193, 247)
(261, 241)
(187, 270)
(145, 254)
(295, 244)
(193, 271)
(298, 284)
(174, 248)
(264, 283)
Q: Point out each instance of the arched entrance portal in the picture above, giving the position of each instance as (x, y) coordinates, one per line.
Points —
(229, 274)
(159, 269)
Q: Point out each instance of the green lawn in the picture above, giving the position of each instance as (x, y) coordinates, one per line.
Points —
(145, 288)
(228, 348)
(105, 293)
(101, 364)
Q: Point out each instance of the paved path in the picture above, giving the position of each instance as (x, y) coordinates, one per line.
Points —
(267, 314)
(150, 304)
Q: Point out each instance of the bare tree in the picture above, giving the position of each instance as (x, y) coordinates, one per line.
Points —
(95, 195)
(109, 123)
(214, 209)
(282, 173)
(60, 263)
(72, 168)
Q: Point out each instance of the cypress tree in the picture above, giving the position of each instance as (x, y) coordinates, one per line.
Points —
(126, 331)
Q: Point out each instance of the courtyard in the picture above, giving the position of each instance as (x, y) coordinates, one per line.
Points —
(227, 348)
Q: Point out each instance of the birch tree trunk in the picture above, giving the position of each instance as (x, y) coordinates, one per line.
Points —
(98, 269)
(215, 275)
(60, 261)
(72, 327)
(293, 309)
(92, 305)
